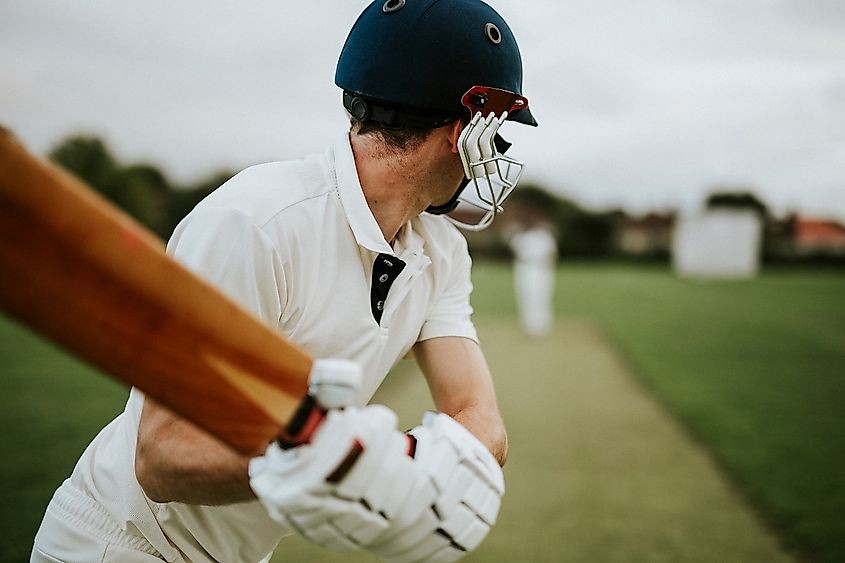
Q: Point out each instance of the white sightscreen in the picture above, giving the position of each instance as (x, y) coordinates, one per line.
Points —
(722, 243)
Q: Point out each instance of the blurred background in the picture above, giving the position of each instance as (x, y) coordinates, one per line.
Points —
(686, 401)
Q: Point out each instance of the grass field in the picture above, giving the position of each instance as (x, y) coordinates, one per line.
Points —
(597, 471)
(755, 371)
(50, 408)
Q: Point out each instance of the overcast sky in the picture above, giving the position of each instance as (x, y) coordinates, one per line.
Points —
(641, 104)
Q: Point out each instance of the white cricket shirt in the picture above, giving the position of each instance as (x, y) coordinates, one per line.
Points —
(296, 244)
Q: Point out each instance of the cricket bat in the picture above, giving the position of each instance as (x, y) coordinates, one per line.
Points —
(87, 276)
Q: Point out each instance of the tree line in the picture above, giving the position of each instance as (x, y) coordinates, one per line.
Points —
(141, 189)
(145, 192)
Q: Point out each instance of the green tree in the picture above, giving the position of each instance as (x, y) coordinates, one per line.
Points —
(580, 233)
(146, 194)
(90, 160)
(141, 189)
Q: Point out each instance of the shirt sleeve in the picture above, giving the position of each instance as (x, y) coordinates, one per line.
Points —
(450, 313)
(228, 250)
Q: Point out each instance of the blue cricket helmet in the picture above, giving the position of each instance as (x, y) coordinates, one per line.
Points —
(410, 62)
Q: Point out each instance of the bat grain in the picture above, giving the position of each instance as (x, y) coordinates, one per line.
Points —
(90, 278)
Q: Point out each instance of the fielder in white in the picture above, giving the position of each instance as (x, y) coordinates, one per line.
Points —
(535, 251)
(351, 254)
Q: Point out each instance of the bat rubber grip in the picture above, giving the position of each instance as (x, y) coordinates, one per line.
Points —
(412, 445)
(304, 423)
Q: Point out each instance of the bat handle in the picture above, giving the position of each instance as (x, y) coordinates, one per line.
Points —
(333, 383)
(304, 423)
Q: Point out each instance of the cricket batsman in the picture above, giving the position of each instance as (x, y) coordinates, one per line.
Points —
(353, 254)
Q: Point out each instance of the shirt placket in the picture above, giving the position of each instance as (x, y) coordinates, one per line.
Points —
(386, 270)
(415, 264)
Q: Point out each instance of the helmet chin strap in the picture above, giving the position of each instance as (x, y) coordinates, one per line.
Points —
(450, 205)
(502, 147)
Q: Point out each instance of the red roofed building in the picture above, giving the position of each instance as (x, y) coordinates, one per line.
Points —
(818, 235)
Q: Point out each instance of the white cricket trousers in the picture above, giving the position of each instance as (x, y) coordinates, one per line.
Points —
(534, 289)
(76, 529)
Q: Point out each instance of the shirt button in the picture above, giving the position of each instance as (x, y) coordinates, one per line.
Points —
(380, 305)
(388, 263)
(383, 278)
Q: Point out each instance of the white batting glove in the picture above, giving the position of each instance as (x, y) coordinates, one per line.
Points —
(353, 479)
(469, 485)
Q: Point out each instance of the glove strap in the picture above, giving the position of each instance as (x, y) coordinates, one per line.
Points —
(304, 423)
(412, 445)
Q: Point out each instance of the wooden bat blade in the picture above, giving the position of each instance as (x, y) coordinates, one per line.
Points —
(90, 278)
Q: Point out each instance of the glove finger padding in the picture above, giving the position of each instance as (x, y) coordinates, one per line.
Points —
(469, 485)
(338, 510)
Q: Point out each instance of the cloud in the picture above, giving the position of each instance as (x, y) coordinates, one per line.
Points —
(641, 104)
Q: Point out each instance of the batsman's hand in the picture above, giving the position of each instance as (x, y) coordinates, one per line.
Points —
(351, 481)
(469, 486)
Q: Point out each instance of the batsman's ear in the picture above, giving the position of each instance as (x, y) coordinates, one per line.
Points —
(454, 130)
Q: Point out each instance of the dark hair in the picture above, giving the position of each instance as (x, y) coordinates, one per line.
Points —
(394, 138)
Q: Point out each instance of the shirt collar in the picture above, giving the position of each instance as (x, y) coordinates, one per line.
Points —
(407, 240)
(364, 226)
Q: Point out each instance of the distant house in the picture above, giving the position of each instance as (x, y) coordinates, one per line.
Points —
(649, 235)
(818, 236)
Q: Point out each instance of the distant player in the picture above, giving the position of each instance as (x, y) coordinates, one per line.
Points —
(535, 251)
(348, 253)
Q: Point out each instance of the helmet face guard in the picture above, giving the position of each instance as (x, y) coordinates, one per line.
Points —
(490, 175)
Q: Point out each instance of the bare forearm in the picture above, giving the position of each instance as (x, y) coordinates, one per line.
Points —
(186, 479)
(487, 426)
(175, 461)
(461, 386)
